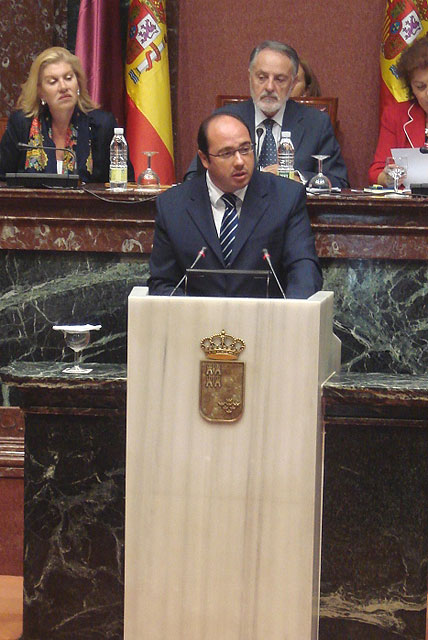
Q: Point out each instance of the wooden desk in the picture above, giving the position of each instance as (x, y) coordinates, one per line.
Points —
(345, 226)
(357, 226)
(76, 220)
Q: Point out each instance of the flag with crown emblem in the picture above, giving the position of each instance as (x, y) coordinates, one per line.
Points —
(405, 20)
(148, 102)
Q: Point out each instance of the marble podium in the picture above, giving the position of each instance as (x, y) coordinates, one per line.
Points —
(222, 533)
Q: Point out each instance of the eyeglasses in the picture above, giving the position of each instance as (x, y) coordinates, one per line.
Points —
(243, 150)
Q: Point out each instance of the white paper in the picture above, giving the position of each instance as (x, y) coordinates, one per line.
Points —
(76, 328)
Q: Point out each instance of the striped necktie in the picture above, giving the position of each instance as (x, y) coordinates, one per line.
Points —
(229, 224)
(268, 154)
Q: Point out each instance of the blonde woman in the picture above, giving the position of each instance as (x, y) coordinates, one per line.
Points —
(55, 110)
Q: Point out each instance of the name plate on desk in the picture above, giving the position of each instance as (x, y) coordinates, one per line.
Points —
(255, 282)
(42, 180)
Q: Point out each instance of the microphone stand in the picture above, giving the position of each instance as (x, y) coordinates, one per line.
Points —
(22, 145)
(266, 256)
(201, 254)
(41, 179)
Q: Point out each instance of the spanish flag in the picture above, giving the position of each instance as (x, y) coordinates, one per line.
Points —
(148, 100)
(405, 20)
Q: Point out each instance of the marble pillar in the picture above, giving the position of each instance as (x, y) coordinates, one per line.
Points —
(73, 500)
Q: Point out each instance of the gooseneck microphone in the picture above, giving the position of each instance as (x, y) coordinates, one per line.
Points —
(201, 254)
(259, 133)
(22, 145)
(266, 256)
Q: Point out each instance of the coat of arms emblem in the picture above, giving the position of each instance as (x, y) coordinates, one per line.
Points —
(221, 392)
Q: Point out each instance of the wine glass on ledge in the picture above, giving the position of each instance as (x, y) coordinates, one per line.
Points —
(319, 182)
(148, 179)
(396, 168)
(77, 337)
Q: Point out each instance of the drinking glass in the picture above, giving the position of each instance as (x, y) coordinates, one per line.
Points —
(148, 178)
(397, 169)
(319, 182)
(77, 338)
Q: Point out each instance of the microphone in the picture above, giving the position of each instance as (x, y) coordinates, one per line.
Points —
(259, 133)
(22, 145)
(266, 256)
(201, 254)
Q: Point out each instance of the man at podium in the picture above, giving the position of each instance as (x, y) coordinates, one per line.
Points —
(230, 221)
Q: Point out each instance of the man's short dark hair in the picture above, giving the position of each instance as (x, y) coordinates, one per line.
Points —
(202, 133)
(273, 45)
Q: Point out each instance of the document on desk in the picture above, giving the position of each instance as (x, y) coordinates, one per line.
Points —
(417, 165)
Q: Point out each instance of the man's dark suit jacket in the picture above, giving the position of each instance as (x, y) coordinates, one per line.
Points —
(273, 216)
(311, 133)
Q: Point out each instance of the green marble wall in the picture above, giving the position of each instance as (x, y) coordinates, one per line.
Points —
(380, 314)
(41, 288)
(380, 307)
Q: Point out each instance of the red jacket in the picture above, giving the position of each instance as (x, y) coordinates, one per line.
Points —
(402, 126)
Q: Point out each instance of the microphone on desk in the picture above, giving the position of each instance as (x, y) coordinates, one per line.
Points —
(22, 145)
(259, 133)
(266, 256)
(201, 254)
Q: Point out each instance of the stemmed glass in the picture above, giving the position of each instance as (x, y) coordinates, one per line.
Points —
(319, 182)
(148, 178)
(77, 338)
(397, 169)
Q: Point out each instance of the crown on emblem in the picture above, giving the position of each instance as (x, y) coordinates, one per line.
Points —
(222, 346)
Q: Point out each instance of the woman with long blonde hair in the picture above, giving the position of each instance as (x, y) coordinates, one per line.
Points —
(55, 110)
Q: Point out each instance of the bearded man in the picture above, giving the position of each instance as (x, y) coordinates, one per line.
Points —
(273, 71)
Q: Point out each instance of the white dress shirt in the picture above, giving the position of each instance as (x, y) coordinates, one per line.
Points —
(217, 204)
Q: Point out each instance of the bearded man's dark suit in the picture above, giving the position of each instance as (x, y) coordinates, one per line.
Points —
(273, 216)
(311, 132)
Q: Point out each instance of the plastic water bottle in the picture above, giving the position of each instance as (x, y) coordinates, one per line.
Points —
(118, 161)
(286, 156)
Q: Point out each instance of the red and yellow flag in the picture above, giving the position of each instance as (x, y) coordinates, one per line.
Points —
(148, 101)
(405, 20)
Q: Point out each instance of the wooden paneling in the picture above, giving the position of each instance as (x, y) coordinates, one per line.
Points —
(3, 124)
(11, 588)
(11, 490)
